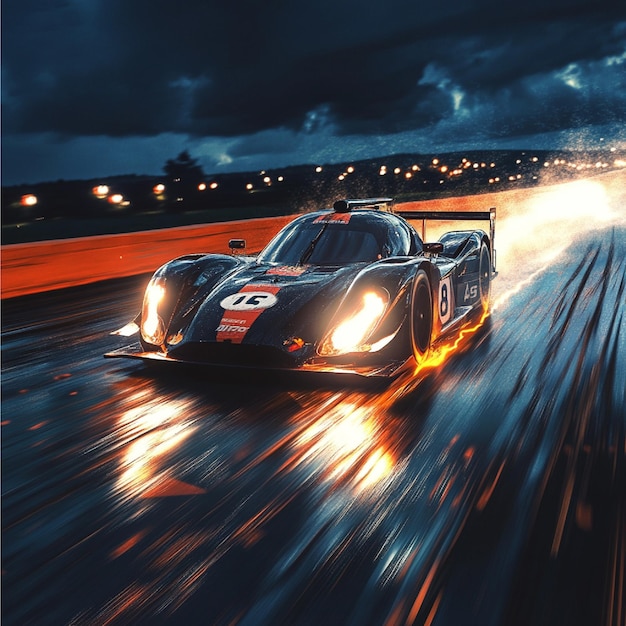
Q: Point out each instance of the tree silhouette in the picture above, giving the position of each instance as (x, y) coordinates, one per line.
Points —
(183, 169)
(184, 175)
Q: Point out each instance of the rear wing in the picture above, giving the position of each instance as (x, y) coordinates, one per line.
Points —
(378, 204)
(460, 216)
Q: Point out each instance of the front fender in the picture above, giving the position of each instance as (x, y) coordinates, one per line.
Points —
(182, 280)
(394, 276)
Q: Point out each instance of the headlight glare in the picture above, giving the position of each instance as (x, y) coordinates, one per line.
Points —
(152, 327)
(352, 333)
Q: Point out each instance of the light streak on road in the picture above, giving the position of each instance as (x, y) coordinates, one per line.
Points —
(351, 443)
(153, 432)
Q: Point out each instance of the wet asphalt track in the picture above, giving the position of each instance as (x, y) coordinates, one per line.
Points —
(492, 492)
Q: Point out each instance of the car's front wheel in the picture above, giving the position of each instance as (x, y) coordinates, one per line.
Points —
(421, 317)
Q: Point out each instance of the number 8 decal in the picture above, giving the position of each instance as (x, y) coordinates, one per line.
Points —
(445, 300)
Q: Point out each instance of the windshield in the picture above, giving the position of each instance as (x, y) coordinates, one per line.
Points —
(327, 243)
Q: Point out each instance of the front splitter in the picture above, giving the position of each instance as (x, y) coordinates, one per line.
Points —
(388, 371)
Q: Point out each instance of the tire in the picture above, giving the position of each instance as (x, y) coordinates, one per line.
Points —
(484, 277)
(421, 316)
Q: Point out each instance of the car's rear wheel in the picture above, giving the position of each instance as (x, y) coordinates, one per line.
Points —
(484, 276)
(421, 316)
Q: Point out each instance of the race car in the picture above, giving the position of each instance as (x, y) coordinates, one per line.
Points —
(351, 289)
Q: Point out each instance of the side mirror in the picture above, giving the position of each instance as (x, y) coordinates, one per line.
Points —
(236, 244)
(433, 249)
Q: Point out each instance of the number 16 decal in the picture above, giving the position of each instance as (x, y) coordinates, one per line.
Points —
(242, 309)
(249, 301)
(446, 306)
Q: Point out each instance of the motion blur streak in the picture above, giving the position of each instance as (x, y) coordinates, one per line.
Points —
(485, 489)
(148, 432)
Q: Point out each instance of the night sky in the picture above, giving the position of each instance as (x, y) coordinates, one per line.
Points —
(102, 87)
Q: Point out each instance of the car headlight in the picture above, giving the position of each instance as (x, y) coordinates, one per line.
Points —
(152, 326)
(352, 333)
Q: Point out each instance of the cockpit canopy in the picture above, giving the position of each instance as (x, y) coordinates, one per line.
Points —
(333, 238)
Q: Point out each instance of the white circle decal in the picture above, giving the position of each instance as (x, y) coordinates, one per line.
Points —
(249, 301)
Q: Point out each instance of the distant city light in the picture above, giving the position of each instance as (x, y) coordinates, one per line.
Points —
(526, 170)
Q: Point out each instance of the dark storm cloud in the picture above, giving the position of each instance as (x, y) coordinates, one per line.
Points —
(144, 67)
